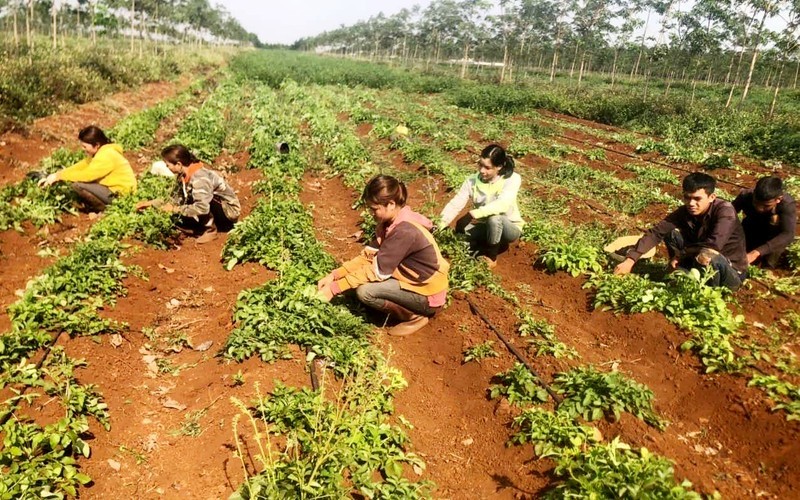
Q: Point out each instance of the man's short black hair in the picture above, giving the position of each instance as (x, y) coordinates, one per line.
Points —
(768, 188)
(699, 180)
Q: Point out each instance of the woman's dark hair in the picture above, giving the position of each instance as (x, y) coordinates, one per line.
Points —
(768, 188)
(499, 158)
(382, 189)
(93, 135)
(178, 153)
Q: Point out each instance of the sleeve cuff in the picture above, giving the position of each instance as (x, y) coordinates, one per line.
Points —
(633, 255)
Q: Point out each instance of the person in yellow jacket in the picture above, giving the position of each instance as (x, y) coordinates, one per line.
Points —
(97, 179)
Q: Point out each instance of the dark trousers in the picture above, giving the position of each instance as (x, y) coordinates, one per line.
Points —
(95, 196)
(725, 275)
(489, 235)
(373, 295)
(214, 218)
(756, 235)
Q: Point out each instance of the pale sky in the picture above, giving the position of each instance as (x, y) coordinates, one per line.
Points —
(288, 20)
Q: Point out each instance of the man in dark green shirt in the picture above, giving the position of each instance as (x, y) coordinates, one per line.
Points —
(770, 220)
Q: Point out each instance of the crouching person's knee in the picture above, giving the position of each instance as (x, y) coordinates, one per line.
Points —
(366, 294)
(495, 221)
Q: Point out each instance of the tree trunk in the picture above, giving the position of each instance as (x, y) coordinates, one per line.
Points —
(669, 83)
(505, 62)
(94, 14)
(735, 79)
(28, 22)
(614, 67)
(755, 56)
(694, 86)
(635, 69)
(730, 68)
(518, 60)
(54, 24)
(133, 20)
(583, 65)
(775, 94)
(796, 72)
(464, 61)
(142, 29)
(553, 65)
(16, 33)
(574, 59)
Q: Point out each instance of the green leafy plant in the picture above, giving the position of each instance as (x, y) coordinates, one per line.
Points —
(191, 424)
(615, 470)
(785, 394)
(793, 255)
(553, 434)
(593, 395)
(713, 161)
(238, 378)
(40, 461)
(662, 175)
(686, 301)
(519, 386)
(787, 284)
(792, 320)
(597, 154)
(480, 352)
(330, 440)
(574, 258)
(544, 339)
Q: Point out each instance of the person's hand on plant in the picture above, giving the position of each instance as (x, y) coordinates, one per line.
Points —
(141, 205)
(325, 282)
(624, 267)
(325, 293)
(48, 181)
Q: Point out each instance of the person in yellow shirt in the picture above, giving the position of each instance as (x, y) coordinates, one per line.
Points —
(97, 179)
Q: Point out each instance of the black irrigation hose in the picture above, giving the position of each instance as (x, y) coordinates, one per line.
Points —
(515, 352)
(39, 364)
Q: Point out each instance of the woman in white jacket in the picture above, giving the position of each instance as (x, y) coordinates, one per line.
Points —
(494, 220)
